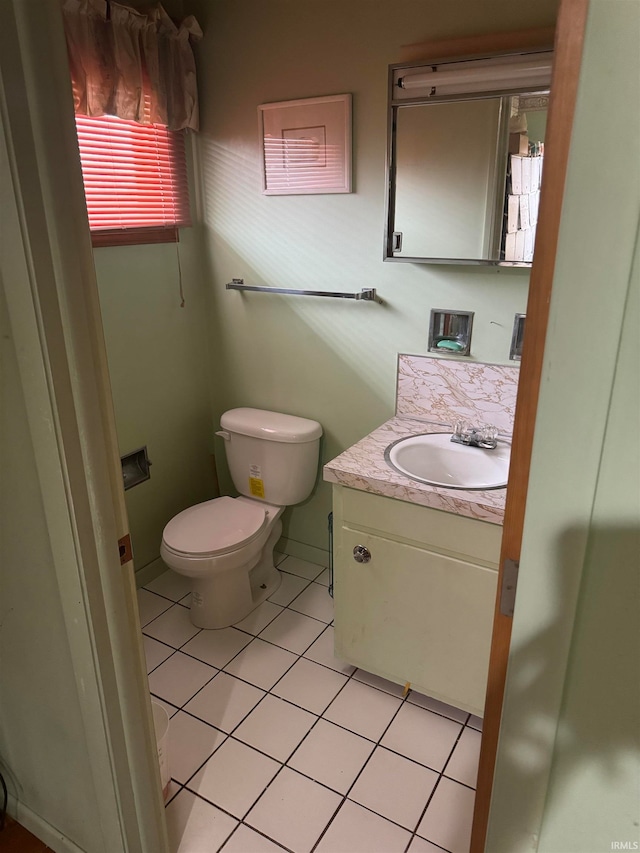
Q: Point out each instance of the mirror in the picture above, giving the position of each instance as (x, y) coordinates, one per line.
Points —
(466, 149)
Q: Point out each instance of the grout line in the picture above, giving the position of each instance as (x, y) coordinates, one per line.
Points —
(282, 764)
(437, 846)
(253, 637)
(285, 763)
(228, 836)
(216, 806)
(173, 796)
(258, 832)
(453, 749)
(268, 692)
(329, 822)
(318, 716)
(350, 788)
(435, 787)
(458, 782)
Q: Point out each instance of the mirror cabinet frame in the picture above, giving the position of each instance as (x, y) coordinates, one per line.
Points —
(518, 46)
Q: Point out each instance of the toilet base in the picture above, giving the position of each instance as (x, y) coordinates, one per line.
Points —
(229, 597)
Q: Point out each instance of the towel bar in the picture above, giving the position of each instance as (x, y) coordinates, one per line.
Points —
(367, 294)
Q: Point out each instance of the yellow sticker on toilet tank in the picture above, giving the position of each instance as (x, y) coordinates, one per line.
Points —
(256, 487)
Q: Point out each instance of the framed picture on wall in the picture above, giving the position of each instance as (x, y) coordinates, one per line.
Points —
(306, 146)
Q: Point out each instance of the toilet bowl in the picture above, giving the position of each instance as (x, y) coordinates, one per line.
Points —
(225, 545)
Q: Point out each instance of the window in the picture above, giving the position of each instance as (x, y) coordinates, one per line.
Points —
(135, 181)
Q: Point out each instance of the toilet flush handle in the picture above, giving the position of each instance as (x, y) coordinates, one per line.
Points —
(226, 435)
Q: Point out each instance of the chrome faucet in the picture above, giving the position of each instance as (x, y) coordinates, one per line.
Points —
(485, 436)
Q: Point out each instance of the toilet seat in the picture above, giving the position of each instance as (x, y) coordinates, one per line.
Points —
(215, 527)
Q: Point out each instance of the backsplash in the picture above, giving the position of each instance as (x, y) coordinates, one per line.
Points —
(444, 391)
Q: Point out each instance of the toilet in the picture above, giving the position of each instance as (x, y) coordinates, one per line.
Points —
(226, 545)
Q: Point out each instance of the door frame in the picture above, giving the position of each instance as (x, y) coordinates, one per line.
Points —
(50, 283)
(569, 40)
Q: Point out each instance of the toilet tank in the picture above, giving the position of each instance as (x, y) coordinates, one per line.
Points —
(271, 456)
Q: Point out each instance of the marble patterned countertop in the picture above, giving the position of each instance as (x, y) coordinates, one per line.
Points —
(363, 467)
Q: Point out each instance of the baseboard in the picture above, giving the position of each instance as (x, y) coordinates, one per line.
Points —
(39, 827)
(305, 552)
(150, 572)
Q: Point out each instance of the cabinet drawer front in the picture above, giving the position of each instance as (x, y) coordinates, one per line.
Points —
(438, 530)
(415, 616)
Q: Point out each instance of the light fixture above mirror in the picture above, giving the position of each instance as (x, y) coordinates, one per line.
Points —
(524, 71)
(465, 149)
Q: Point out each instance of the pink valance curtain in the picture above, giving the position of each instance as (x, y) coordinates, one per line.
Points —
(137, 66)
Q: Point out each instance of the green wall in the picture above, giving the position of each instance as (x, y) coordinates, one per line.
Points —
(568, 768)
(174, 370)
(330, 360)
(158, 364)
(596, 766)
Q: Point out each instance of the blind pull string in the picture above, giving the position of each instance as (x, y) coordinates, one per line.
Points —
(181, 290)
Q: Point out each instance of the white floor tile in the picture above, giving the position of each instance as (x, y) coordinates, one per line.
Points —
(173, 627)
(322, 652)
(324, 578)
(155, 652)
(363, 710)
(380, 683)
(247, 840)
(437, 707)
(357, 830)
(224, 702)
(332, 756)
(419, 845)
(394, 787)
(326, 758)
(259, 618)
(302, 568)
(234, 777)
(178, 678)
(310, 685)
(447, 821)
(172, 789)
(463, 764)
(217, 648)
(422, 735)
(293, 631)
(290, 586)
(191, 742)
(278, 557)
(195, 826)
(275, 727)
(150, 605)
(170, 709)
(475, 722)
(171, 585)
(261, 664)
(294, 811)
(315, 601)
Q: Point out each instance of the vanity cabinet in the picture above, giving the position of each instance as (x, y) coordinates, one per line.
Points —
(420, 610)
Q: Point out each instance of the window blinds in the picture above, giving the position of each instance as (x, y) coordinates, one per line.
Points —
(135, 175)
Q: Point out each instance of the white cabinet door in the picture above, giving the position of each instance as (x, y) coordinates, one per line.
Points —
(411, 615)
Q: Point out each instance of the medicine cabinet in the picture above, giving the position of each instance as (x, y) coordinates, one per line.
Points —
(465, 159)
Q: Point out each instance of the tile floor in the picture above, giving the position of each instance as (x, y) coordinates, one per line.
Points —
(275, 744)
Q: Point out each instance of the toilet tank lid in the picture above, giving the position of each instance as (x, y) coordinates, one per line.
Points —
(270, 426)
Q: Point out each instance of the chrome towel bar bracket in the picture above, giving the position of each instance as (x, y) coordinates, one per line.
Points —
(367, 294)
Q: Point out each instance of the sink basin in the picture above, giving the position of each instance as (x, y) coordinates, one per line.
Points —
(434, 459)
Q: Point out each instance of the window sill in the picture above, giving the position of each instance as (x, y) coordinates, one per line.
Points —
(134, 237)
